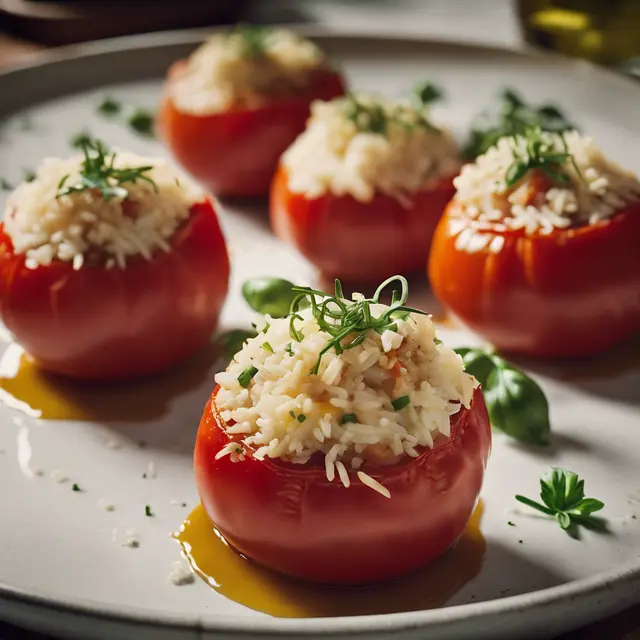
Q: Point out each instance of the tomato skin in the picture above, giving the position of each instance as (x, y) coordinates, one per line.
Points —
(292, 519)
(98, 323)
(235, 153)
(358, 241)
(575, 292)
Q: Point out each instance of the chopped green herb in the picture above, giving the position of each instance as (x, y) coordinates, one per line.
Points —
(347, 322)
(4, 185)
(516, 403)
(400, 403)
(437, 341)
(29, 175)
(147, 511)
(267, 347)
(142, 121)
(266, 327)
(562, 493)
(99, 174)
(292, 414)
(109, 106)
(81, 140)
(301, 418)
(511, 524)
(246, 376)
(541, 154)
(349, 417)
(75, 487)
(289, 349)
(426, 93)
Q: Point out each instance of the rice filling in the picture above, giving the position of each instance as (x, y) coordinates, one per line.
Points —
(377, 403)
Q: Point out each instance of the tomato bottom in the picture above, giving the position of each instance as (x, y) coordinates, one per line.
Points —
(291, 519)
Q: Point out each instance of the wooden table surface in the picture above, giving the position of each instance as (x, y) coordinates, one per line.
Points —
(624, 626)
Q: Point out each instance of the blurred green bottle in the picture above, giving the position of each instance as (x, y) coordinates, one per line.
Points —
(602, 31)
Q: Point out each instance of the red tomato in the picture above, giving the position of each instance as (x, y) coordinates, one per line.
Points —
(112, 323)
(575, 292)
(290, 518)
(359, 241)
(236, 152)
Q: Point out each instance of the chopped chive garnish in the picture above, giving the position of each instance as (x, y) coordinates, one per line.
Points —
(349, 417)
(301, 418)
(75, 487)
(142, 121)
(267, 347)
(511, 524)
(400, 403)
(28, 175)
(289, 349)
(347, 322)
(292, 414)
(246, 376)
(109, 106)
(4, 185)
(267, 326)
(147, 511)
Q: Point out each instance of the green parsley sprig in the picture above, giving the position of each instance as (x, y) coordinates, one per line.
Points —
(347, 322)
(99, 174)
(562, 493)
(540, 153)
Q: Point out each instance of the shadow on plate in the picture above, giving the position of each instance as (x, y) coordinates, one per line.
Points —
(472, 571)
(614, 375)
(26, 388)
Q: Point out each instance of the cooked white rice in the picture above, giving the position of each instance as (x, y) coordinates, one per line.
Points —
(220, 75)
(334, 155)
(597, 192)
(45, 227)
(360, 383)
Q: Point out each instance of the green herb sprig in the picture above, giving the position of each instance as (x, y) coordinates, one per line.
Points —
(370, 116)
(496, 122)
(99, 174)
(540, 153)
(515, 402)
(347, 322)
(562, 494)
(254, 39)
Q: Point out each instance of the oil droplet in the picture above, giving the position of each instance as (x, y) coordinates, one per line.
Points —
(240, 580)
(29, 389)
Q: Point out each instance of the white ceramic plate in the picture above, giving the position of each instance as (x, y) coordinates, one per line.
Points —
(60, 569)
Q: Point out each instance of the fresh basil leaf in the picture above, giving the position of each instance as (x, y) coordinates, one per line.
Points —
(233, 341)
(516, 404)
(477, 362)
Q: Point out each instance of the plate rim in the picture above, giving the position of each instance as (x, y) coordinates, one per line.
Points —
(610, 581)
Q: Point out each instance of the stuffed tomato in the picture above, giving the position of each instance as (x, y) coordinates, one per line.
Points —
(343, 458)
(111, 266)
(239, 101)
(361, 191)
(537, 252)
